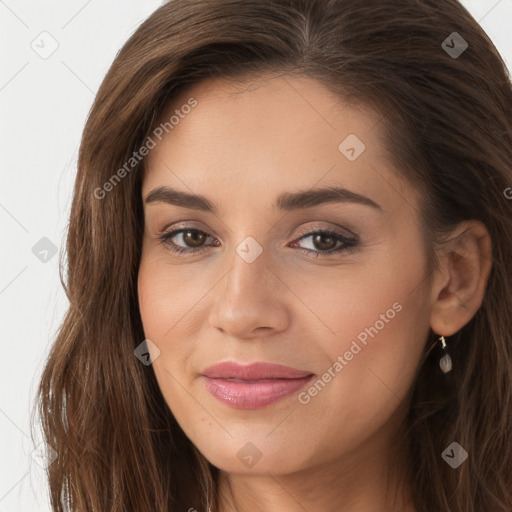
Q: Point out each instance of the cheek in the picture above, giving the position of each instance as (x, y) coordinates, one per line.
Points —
(164, 309)
(168, 297)
(172, 314)
(369, 381)
(382, 326)
(385, 321)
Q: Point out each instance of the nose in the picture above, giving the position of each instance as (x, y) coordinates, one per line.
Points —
(251, 300)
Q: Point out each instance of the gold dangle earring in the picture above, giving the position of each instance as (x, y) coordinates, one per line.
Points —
(445, 362)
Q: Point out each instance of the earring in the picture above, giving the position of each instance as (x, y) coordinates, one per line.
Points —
(446, 361)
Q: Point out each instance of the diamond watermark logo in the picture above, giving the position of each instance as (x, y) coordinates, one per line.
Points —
(45, 45)
(454, 455)
(44, 250)
(249, 455)
(249, 249)
(454, 45)
(146, 352)
(43, 455)
(352, 147)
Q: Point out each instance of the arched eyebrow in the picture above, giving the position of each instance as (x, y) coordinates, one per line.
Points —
(287, 201)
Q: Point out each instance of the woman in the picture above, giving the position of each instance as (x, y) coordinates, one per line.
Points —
(289, 260)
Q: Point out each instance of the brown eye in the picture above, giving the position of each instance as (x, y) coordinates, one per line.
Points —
(326, 242)
(194, 238)
(185, 240)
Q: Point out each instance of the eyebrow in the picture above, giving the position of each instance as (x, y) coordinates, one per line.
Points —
(287, 201)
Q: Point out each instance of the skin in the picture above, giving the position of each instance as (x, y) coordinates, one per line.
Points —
(241, 147)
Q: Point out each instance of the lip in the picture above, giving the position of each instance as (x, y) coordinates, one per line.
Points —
(255, 385)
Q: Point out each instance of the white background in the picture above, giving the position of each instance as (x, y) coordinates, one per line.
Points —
(43, 107)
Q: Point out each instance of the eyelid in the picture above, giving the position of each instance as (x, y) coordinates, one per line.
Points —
(308, 230)
(303, 230)
(349, 242)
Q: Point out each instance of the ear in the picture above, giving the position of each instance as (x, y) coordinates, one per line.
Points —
(459, 287)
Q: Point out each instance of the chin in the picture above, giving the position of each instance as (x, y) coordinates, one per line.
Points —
(258, 457)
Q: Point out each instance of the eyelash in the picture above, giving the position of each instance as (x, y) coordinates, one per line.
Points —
(349, 244)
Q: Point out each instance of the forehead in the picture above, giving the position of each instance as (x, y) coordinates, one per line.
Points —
(265, 136)
(266, 104)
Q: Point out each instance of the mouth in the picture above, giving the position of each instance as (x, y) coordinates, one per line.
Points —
(253, 386)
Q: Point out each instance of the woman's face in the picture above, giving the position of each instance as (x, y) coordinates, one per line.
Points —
(349, 325)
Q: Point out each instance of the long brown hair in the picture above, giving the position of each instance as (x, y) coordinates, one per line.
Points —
(447, 128)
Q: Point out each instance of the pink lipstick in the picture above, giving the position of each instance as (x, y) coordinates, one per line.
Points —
(253, 386)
